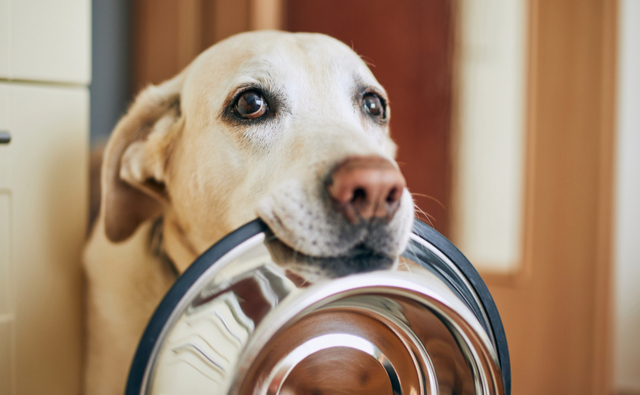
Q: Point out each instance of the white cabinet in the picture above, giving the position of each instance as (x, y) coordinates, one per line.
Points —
(43, 206)
(44, 105)
(5, 34)
(45, 40)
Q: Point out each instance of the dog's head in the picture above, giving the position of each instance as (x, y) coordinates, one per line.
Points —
(289, 127)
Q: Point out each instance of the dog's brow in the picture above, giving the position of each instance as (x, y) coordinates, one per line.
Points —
(361, 87)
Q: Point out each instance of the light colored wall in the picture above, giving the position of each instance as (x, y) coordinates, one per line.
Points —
(627, 239)
(491, 130)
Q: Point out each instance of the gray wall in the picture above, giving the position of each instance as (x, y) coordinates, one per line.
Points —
(110, 89)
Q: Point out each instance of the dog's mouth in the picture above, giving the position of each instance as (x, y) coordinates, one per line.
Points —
(359, 259)
(316, 241)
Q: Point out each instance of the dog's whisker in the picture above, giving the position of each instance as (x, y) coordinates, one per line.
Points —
(423, 213)
(296, 250)
(428, 197)
(426, 216)
(367, 60)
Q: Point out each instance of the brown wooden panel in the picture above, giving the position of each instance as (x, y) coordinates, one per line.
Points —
(408, 43)
(169, 34)
(155, 42)
(225, 18)
(556, 312)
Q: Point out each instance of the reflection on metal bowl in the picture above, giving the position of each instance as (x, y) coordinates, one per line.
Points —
(237, 323)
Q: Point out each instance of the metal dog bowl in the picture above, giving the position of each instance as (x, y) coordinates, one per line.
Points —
(235, 323)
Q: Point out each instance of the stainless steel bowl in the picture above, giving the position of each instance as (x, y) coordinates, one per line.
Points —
(237, 322)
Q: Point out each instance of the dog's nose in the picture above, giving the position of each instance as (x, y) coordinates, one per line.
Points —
(366, 187)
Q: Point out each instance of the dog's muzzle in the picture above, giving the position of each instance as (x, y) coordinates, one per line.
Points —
(360, 207)
(236, 323)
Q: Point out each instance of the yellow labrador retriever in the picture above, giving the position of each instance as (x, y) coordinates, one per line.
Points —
(292, 128)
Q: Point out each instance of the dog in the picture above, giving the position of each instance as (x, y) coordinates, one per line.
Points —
(291, 128)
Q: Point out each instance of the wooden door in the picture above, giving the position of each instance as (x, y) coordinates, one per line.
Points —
(408, 45)
(556, 308)
(169, 34)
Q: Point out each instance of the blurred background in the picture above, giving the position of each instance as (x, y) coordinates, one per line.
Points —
(518, 130)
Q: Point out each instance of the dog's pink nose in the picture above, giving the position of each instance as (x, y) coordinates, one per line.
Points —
(366, 187)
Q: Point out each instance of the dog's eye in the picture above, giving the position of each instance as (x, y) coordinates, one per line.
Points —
(251, 104)
(373, 104)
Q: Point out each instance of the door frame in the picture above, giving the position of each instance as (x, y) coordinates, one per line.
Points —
(564, 281)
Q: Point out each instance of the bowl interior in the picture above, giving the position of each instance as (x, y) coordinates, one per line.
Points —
(244, 326)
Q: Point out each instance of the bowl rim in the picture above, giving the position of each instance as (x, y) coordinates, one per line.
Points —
(164, 311)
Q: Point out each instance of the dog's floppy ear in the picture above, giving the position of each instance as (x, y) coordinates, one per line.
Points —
(134, 161)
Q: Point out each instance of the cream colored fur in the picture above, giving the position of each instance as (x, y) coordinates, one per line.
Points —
(176, 156)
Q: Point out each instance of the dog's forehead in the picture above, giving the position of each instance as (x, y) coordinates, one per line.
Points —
(275, 58)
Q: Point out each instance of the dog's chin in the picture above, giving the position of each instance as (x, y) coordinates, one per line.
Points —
(359, 259)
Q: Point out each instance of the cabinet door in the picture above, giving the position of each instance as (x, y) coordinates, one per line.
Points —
(7, 315)
(45, 40)
(43, 206)
(5, 29)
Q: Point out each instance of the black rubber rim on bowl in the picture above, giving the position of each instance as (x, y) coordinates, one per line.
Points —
(151, 334)
(443, 244)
